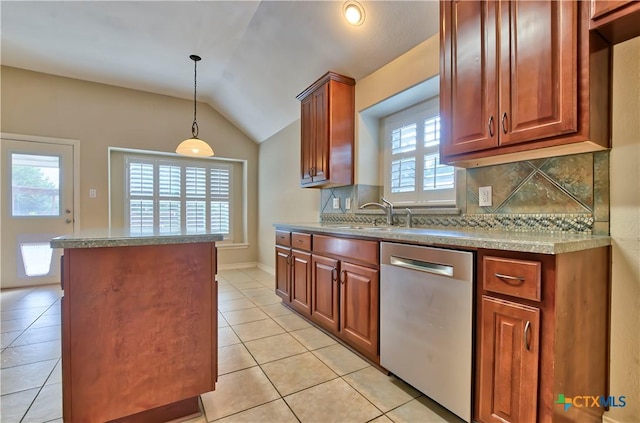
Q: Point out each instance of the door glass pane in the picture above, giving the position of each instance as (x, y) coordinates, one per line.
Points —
(35, 185)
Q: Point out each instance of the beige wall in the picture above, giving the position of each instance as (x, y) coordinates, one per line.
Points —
(415, 66)
(625, 231)
(281, 199)
(102, 116)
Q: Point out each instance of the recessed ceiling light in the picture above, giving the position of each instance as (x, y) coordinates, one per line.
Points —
(353, 12)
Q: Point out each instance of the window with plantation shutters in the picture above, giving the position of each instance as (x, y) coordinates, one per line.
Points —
(170, 196)
(412, 168)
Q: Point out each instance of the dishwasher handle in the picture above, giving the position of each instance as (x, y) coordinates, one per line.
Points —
(422, 266)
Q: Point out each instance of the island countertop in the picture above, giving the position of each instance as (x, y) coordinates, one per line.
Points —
(531, 242)
(96, 238)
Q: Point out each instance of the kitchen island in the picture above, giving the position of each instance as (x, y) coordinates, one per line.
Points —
(139, 325)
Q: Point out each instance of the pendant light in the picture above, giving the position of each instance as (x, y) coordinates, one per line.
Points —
(194, 146)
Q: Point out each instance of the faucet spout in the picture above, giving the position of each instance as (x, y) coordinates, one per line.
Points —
(387, 207)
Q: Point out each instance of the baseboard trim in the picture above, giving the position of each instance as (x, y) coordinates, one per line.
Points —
(607, 419)
(232, 266)
(267, 269)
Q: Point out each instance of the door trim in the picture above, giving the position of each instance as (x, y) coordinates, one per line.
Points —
(75, 144)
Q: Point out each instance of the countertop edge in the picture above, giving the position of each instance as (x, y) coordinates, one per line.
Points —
(551, 243)
(131, 241)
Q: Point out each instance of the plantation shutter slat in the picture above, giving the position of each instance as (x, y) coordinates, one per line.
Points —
(170, 196)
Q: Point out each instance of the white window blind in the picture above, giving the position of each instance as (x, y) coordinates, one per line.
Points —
(168, 196)
(412, 168)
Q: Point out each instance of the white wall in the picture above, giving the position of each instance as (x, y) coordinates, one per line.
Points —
(625, 231)
(280, 197)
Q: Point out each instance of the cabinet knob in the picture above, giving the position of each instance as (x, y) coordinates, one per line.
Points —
(503, 121)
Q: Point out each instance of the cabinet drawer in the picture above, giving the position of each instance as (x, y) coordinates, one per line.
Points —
(283, 238)
(301, 241)
(518, 278)
(357, 249)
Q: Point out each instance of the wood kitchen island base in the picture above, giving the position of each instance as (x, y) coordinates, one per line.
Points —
(139, 330)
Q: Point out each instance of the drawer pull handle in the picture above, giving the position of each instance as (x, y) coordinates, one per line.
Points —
(343, 274)
(490, 125)
(511, 280)
(504, 118)
(300, 240)
(527, 329)
(334, 274)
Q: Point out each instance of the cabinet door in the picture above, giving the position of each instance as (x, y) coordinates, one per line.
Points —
(307, 123)
(508, 373)
(538, 68)
(301, 281)
(468, 94)
(283, 273)
(359, 307)
(324, 292)
(320, 147)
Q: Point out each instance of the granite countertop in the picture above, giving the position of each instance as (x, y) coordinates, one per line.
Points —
(529, 242)
(123, 238)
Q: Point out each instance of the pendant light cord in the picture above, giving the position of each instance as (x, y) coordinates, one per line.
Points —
(194, 126)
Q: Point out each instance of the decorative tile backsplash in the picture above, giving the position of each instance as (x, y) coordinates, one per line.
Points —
(566, 193)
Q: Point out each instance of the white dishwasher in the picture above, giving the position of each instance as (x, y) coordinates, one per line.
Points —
(426, 303)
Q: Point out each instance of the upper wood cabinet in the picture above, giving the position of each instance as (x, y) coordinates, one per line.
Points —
(520, 80)
(616, 20)
(327, 131)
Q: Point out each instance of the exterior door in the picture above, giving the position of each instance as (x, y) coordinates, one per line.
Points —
(37, 205)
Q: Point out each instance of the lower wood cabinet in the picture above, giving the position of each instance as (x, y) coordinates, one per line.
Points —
(301, 281)
(359, 307)
(325, 292)
(293, 270)
(541, 332)
(509, 367)
(335, 285)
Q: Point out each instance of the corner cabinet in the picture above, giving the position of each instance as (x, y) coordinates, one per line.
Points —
(541, 331)
(512, 91)
(327, 131)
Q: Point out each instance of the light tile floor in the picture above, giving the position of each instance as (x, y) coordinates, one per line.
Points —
(273, 365)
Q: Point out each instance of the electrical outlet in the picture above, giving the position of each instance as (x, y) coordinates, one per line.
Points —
(336, 203)
(484, 195)
(347, 203)
(92, 193)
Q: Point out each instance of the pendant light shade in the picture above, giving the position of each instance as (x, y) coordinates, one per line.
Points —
(194, 146)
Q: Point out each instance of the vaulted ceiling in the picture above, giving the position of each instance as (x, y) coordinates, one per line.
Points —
(256, 55)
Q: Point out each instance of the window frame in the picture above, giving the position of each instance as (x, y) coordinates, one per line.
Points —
(415, 114)
(183, 198)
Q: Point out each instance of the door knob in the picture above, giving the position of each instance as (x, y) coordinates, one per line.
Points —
(68, 221)
(67, 211)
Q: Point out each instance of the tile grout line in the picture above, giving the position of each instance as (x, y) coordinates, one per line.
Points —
(308, 350)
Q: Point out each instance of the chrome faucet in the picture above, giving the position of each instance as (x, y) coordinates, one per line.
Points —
(409, 214)
(386, 206)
